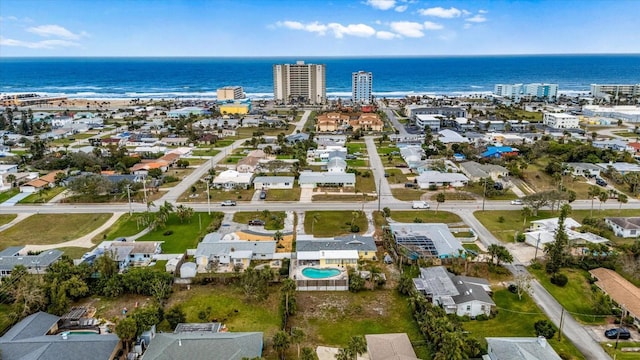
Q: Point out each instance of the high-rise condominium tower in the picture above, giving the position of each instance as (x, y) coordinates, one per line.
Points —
(299, 82)
(361, 87)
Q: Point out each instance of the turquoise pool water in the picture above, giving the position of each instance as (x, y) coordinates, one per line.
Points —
(314, 273)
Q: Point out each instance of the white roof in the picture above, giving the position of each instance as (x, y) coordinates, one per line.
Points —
(233, 176)
(328, 254)
(552, 223)
(439, 177)
(450, 136)
(313, 177)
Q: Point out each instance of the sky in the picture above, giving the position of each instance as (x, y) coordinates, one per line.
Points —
(316, 28)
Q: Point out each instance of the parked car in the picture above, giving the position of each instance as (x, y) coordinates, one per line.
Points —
(613, 333)
(410, 185)
(228, 203)
(516, 202)
(420, 205)
(498, 186)
(256, 222)
(601, 182)
(386, 174)
(263, 195)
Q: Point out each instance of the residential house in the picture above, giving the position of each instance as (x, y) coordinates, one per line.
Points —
(620, 290)
(204, 344)
(519, 348)
(232, 179)
(390, 347)
(626, 227)
(428, 179)
(584, 169)
(175, 141)
(491, 125)
(187, 111)
(447, 136)
(35, 264)
(311, 179)
(412, 155)
(294, 138)
(45, 181)
(273, 182)
(621, 167)
(543, 232)
(477, 172)
(336, 164)
(462, 124)
(333, 121)
(132, 253)
(460, 295)
(328, 258)
(228, 251)
(613, 144)
(367, 122)
(499, 152)
(39, 336)
(147, 164)
(429, 240)
(561, 120)
(249, 164)
(364, 245)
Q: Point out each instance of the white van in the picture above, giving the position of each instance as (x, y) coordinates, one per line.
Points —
(420, 205)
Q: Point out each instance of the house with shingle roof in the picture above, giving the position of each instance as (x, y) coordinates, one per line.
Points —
(620, 290)
(201, 345)
(390, 347)
(626, 227)
(35, 264)
(460, 295)
(36, 338)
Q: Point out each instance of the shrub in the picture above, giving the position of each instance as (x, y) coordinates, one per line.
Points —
(417, 220)
(501, 219)
(559, 279)
(355, 228)
(521, 237)
(482, 317)
(544, 328)
(167, 233)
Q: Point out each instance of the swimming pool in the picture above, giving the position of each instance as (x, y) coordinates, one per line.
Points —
(314, 273)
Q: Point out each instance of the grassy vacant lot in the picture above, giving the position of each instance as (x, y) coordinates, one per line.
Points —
(178, 237)
(365, 184)
(7, 218)
(332, 318)
(478, 189)
(513, 220)
(454, 195)
(406, 194)
(516, 318)
(396, 176)
(126, 225)
(4, 196)
(73, 252)
(232, 159)
(40, 197)
(217, 195)
(357, 163)
(274, 220)
(427, 216)
(576, 297)
(283, 194)
(333, 223)
(205, 152)
(354, 147)
(224, 143)
(44, 229)
(609, 347)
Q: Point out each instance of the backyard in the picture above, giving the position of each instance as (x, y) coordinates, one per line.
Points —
(333, 223)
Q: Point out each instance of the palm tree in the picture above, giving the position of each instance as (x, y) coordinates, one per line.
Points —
(603, 197)
(281, 343)
(343, 354)
(277, 236)
(439, 199)
(297, 335)
(357, 346)
(11, 179)
(308, 354)
(622, 199)
(592, 193)
(493, 250)
(526, 212)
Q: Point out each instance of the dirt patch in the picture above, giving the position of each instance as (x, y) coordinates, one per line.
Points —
(111, 309)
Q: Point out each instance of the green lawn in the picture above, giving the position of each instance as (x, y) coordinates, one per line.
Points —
(217, 195)
(395, 176)
(7, 218)
(618, 354)
(354, 147)
(40, 197)
(248, 131)
(223, 143)
(427, 216)
(126, 225)
(357, 163)
(5, 317)
(274, 220)
(74, 252)
(454, 196)
(384, 150)
(576, 297)
(43, 229)
(283, 194)
(232, 159)
(343, 198)
(6, 195)
(332, 223)
(478, 189)
(182, 236)
(516, 318)
(406, 194)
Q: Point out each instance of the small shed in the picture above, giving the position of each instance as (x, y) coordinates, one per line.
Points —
(188, 270)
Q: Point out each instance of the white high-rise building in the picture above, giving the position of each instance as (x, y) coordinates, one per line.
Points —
(516, 91)
(299, 82)
(614, 91)
(361, 87)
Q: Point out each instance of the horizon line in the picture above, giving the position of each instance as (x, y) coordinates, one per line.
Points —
(315, 56)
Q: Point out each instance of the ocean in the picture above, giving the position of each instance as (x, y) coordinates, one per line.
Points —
(168, 78)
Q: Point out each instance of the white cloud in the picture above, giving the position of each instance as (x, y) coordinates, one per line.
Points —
(476, 19)
(359, 30)
(338, 30)
(55, 31)
(386, 35)
(428, 25)
(465, 12)
(467, 26)
(44, 44)
(482, 11)
(441, 12)
(401, 8)
(408, 28)
(381, 4)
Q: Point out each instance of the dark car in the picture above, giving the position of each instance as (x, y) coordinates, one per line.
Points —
(263, 195)
(256, 222)
(613, 333)
(601, 182)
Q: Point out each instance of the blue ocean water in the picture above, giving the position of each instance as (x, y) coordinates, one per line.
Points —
(393, 76)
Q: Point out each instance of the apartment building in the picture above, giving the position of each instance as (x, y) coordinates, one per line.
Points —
(361, 87)
(230, 93)
(300, 82)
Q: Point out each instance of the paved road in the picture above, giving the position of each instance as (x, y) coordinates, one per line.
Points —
(382, 185)
(545, 301)
(402, 132)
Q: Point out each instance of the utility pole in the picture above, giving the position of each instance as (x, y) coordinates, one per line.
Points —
(535, 257)
(622, 316)
(208, 199)
(129, 198)
(560, 327)
(484, 194)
